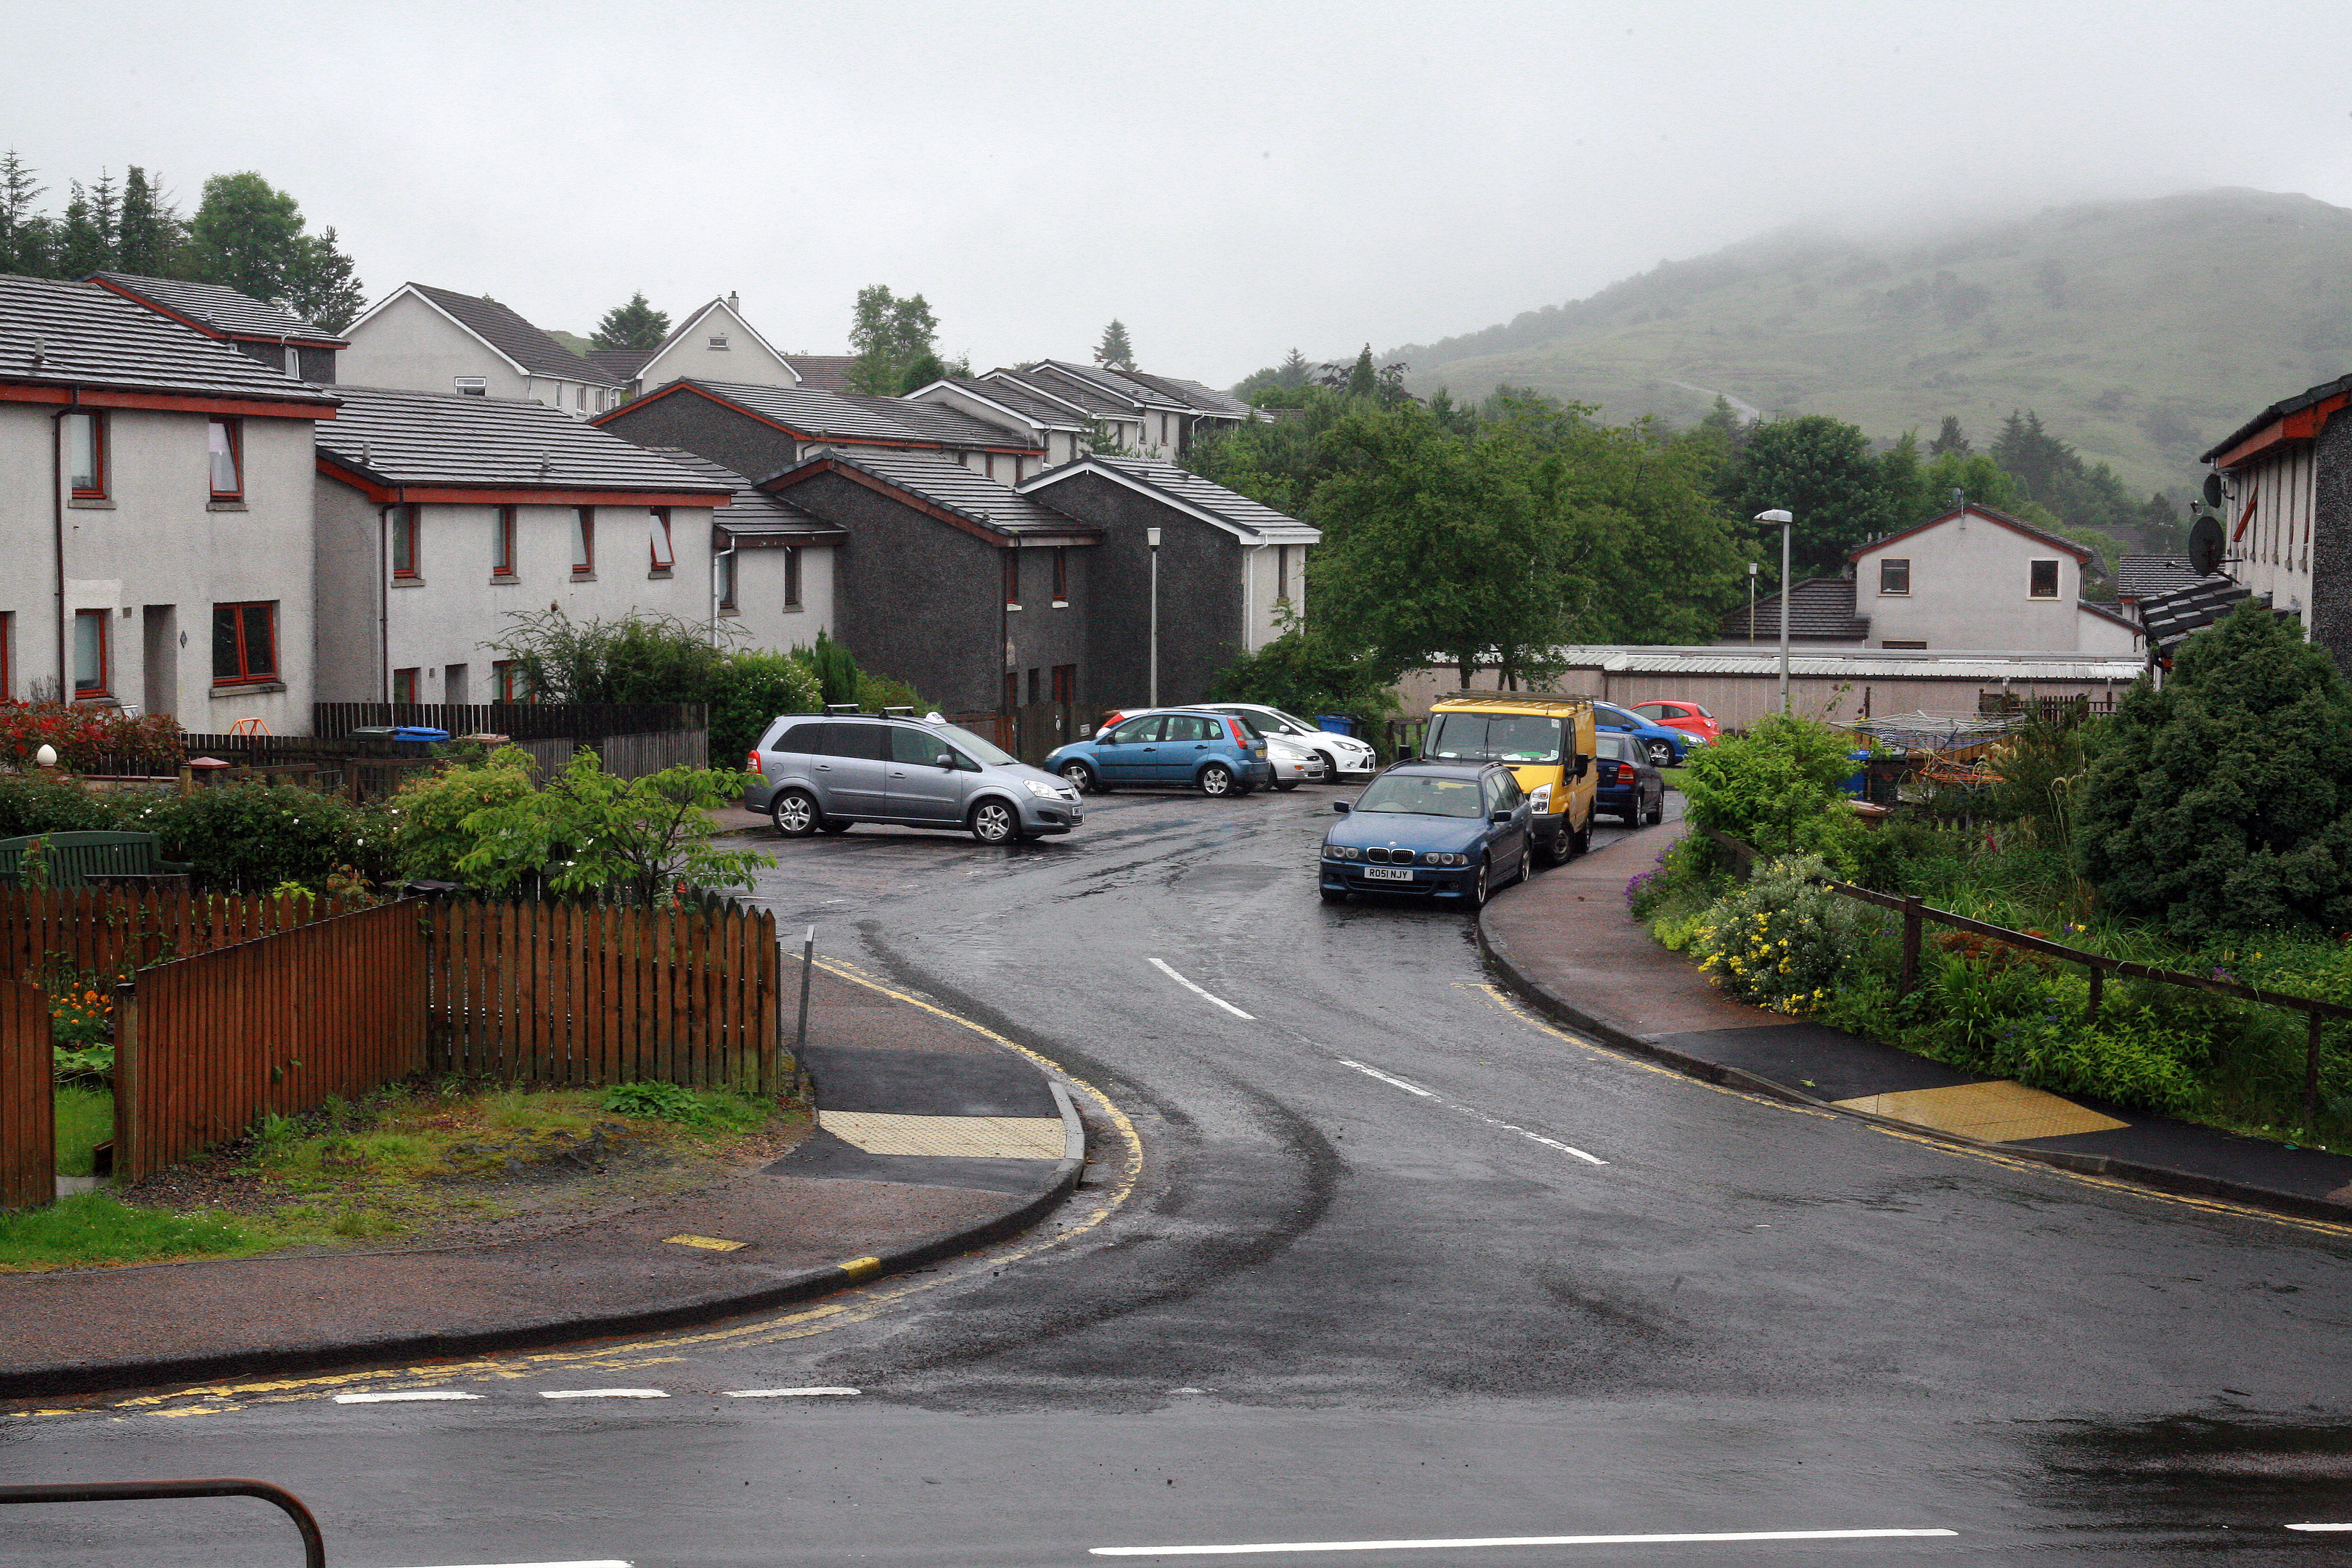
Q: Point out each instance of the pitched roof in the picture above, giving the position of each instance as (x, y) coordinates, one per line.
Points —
(1253, 521)
(753, 510)
(996, 508)
(215, 308)
(845, 416)
(2138, 576)
(512, 336)
(940, 422)
(1118, 384)
(1820, 608)
(397, 437)
(1020, 399)
(821, 373)
(624, 363)
(2107, 612)
(1097, 403)
(2168, 616)
(2333, 392)
(77, 334)
(1976, 509)
(1205, 399)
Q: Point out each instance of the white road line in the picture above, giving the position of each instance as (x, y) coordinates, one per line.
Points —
(400, 1395)
(1509, 1541)
(1474, 1114)
(2342, 1527)
(1188, 985)
(584, 1562)
(782, 1393)
(602, 1393)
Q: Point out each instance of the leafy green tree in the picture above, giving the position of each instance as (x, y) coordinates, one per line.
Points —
(1310, 673)
(1821, 471)
(1949, 437)
(1779, 788)
(321, 284)
(150, 236)
(1115, 353)
(887, 333)
(247, 234)
(924, 369)
(2221, 802)
(432, 809)
(635, 325)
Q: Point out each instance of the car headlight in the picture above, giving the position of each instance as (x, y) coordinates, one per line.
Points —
(1540, 803)
(1044, 791)
(1333, 852)
(1352, 853)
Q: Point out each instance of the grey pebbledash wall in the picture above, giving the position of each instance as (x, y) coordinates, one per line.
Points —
(2331, 541)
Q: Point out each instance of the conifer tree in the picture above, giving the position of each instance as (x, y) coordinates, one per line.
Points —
(635, 325)
(1115, 353)
(149, 235)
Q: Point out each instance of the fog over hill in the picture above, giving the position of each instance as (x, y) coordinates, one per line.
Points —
(2142, 330)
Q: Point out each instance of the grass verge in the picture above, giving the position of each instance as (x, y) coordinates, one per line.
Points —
(85, 1119)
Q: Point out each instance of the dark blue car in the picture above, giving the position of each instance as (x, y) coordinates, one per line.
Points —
(1169, 748)
(1436, 830)
(1630, 787)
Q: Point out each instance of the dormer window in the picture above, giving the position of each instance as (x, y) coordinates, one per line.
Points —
(472, 386)
(719, 342)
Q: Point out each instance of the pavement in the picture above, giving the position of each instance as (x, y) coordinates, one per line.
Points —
(932, 1138)
(1566, 944)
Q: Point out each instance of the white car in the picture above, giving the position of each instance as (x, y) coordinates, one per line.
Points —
(1343, 756)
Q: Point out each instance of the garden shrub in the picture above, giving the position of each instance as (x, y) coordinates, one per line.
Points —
(84, 735)
(1779, 788)
(2223, 802)
(250, 838)
(429, 835)
(757, 686)
(1779, 940)
(30, 804)
(1310, 674)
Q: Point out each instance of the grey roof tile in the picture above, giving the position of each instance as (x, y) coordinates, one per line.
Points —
(819, 414)
(1021, 400)
(88, 336)
(1205, 399)
(949, 484)
(624, 363)
(821, 373)
(753, 509)
(1254, 518)
(1118, 384)
(2138, 576)
(938, 422)
(1819, 607)
(1097, 403)
(404, 437)
(219, 307)
(518, 338)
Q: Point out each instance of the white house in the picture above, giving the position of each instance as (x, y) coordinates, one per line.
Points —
(155, 511)
(442, 516)
(714, 344)
(436, 339)
(1976, 578)
(774, 563)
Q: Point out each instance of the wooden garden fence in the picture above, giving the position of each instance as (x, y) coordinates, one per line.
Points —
(110, 932)
(2098, 965)
(28, 1133)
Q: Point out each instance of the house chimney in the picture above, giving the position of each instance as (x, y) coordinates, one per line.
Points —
(734, 301)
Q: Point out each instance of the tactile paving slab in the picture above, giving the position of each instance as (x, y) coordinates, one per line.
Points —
(1998, 1112)
(970, 1137)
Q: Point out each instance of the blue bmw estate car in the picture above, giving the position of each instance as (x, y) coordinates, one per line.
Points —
(1440, 830)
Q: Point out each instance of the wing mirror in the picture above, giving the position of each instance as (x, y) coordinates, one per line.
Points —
(1583, 764)
(1405, 751)
(1500, 813)
(944, 760)
(1340, 806)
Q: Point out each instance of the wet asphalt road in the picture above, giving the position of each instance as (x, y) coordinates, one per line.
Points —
(1332, 1309)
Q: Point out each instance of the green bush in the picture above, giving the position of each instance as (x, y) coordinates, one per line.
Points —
(429, 813)
(252, 837)
(756, 687)
(1310, 674)
(712, 1109)
(30, 804)
(1779, 788)
(1779, 940)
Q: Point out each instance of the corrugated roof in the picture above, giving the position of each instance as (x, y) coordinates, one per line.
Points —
(219, 307)
(1819, 607)
(1875, 664)
(822, 372)
(516, 338)
(753, 509)
(1254, 521)
(2138, 576)
(2283, 407)
(84, 335)
(398, 436)
(947, 484)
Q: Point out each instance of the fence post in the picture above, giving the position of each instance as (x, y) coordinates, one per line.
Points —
(2099, 986)
(800, 1040)
(127, 1154)
(2311, 1076)
(1910, 944)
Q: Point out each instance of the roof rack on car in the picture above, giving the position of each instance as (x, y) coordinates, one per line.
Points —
(843, 708)
(1521, 699)
(900, 711)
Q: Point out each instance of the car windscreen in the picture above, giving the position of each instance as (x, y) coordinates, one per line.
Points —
(1421, 794)
(972, 744)
(1297, 724)
(1494, 737)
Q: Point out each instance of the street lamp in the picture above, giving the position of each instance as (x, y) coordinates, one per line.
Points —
(1151, 538)
(1781, 516)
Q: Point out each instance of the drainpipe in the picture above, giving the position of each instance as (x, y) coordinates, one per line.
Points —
(58, 533)
(383, 603)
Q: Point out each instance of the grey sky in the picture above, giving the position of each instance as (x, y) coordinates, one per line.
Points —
(1230, 179)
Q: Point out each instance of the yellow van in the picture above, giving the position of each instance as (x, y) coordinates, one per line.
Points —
(1546, 741)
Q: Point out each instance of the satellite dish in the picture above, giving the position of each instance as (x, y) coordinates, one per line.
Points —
(2205, 547)
(2213, 490)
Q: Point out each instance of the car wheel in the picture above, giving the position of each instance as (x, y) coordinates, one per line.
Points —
(1580, 841)
(994, 821)
(1285, 785)
(1333, 895)
(1217, 780)
(1546, 851)
(1079, 777)
(1478, 885)
(1658, 809)
(1331, 768)
(795, 813)
(835, 825)
(1661, 753)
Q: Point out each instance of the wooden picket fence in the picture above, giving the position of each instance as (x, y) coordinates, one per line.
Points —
(207, 1046)
(29, 1131)
(586, 993)
(112, 932)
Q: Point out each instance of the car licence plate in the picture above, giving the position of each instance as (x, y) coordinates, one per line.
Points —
(1387, 874)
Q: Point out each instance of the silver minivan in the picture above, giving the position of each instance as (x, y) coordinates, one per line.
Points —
(827, 772)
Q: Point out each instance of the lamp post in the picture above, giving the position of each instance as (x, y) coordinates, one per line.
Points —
(1751, 602)
(1781, 516)
(1151, 538)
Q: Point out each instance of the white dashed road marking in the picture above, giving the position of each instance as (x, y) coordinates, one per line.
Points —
(1197, 990)
(401, 1395)
(602, 1393)
(582, 1563)
(2330, 1527)
(782, 1393)
(1509, 1540)
(1496, 1121)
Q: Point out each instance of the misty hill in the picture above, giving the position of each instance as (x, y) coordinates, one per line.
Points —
(2142, 330)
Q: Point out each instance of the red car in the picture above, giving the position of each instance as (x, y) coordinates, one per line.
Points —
(1676, 714)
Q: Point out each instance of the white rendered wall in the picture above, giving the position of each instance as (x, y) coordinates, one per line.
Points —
(742, 359)
(1968, 589)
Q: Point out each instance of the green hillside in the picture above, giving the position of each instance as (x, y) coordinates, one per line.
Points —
(2142, 330)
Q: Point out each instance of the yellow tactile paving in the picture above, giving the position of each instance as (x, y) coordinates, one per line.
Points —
(1998, 1113)
(969, 1137)
(707, 1243)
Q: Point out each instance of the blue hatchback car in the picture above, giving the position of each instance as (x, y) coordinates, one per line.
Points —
(1440, 830)
(1664, 748)
(1169, 748)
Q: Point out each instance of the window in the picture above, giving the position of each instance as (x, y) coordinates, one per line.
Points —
(1013, 579)
(1190, 727)
(662, 560)
(227, 437)
(1891, 642)
(726, 564)
(244, 644)
(1061, 574)
(583, 541)
(1894, 576)
(403, 685)
(7, 654)
(1035, 687)
(2043, 581)
(85, 454)
(719, 342)
(792, 576)
(508, 682)
(867, 742)
(1136, 731)
(801, 739)
(472, 386)
(1282, 573)
(502, 543)
(1066, 683)
(920, 749)
(405, 559)
(580, 397)
(89, 654)
(454, 685)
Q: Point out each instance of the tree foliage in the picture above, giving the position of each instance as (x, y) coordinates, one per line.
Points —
(247, 234)
(1777, 788)
(1310, 674)
(1115, 353)
(635, 325)
(1821, 471)
(889, 332)
(2223, 801)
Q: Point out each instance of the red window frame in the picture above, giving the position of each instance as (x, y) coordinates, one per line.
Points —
(7, 655)
(792, 576)
(96, 425)
(403, 683)
(103, 684)
(407, 535)
(1066, 683)
(503, 546)
(508, 682)
(233, 438)
(242, 613)
(660, 546)
(583, 542)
